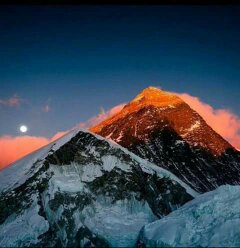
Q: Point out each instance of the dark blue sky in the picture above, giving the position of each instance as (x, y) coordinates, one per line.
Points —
(81, 58)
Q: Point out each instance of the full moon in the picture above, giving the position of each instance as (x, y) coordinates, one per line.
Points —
(23, 129)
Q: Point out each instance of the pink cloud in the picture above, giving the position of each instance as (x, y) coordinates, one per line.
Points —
(13, 101)
(14, 148)
(223, 121)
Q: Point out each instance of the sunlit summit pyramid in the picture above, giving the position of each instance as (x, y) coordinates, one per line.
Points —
(160, 127)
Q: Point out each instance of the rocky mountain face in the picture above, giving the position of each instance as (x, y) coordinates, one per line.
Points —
(82, 191)
(162, 128)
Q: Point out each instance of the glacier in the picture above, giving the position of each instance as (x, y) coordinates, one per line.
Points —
(210, 220)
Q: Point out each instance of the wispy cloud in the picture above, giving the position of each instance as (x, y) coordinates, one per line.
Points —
(13, 101)
(46, 108)
(101, 116)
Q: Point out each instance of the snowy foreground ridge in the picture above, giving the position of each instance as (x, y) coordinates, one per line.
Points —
(210, 220)
(83, 190)
(21, 170)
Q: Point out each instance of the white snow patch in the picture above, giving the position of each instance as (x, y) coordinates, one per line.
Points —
(92, 150)
(194, 126)
(137, 98)
(109, 136)
(66, 178)
(109, 162)
(135, 130)
(118, 139)
(197, 124)
(90, 172)
(179, 142)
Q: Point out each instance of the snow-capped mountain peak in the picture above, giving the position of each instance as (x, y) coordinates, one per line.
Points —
(157, 97)
(150, 96)
(161, 127)
(154, 109)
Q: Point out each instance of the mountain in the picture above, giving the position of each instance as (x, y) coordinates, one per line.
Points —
(160, 127)
(83, 190)
(210, 220)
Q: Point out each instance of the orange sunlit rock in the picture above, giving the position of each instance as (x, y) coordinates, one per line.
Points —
(156, 106)
(149, 96)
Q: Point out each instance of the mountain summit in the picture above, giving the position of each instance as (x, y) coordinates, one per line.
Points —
(160, 107)
(150, 96)
(156, 97)
(160, 127)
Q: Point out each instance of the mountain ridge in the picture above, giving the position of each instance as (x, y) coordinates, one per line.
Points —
(83, 190)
